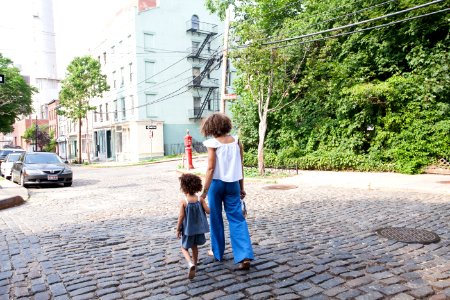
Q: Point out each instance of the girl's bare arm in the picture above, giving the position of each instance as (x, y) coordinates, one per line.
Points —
(204, 205)
(180, 218)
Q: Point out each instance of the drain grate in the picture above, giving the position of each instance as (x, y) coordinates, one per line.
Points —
(280, 187)
(409, 235)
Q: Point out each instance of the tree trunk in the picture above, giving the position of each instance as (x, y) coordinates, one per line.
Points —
(79, 140)
(88, 148)
(262, 135)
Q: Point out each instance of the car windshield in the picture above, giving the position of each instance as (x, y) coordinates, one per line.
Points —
(13, 157)
(42, 159)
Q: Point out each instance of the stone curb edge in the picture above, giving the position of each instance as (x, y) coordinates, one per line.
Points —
(11, 202)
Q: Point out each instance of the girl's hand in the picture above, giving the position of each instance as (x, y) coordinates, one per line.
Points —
(178, 234)
(203, 196)
(243, 194)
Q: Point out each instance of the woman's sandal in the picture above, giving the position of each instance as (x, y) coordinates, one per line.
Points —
(245, 265)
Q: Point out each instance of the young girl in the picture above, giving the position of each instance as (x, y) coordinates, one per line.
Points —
(192, 223)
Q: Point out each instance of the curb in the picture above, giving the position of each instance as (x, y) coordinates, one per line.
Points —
(11, 194)
(11, 202)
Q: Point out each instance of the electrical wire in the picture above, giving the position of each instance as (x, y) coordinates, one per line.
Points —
(365, 29)
(354, 24)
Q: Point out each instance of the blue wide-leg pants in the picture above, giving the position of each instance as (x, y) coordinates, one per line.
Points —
(228, 193)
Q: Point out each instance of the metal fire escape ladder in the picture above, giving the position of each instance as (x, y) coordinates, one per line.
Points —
(202, 46)
(202, 108)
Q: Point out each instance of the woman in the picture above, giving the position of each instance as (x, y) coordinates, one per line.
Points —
(224, 184)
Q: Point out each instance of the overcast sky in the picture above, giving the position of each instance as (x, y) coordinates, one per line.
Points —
(76, 25)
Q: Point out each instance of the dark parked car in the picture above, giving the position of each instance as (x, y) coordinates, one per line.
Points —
(41, 168)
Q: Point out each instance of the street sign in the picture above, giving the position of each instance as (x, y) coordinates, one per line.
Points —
(2, 78)
(230, 97)
(150, 126)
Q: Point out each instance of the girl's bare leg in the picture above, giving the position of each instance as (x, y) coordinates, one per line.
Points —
(195, 254)
(186, 254)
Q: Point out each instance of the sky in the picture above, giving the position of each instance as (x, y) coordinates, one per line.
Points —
(76, 24)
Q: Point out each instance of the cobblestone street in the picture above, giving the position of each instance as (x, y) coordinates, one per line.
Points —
(112, 236)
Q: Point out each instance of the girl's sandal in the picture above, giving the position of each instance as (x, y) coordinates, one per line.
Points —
(245, 265)
(191, 273)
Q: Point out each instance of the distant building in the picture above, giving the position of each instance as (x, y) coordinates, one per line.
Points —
(161, 59)
(30, 42)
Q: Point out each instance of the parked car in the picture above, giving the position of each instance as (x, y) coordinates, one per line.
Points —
(5, 167)
(41, 168)
(6, 151)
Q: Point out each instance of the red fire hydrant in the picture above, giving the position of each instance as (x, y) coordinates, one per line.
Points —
(188, 149)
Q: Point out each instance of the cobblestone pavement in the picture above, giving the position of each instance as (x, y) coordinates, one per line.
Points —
(111, 236)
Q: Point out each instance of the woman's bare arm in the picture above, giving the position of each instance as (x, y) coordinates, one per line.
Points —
(209, 171)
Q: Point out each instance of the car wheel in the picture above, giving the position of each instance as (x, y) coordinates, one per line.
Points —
(22, 180)
(67, 183)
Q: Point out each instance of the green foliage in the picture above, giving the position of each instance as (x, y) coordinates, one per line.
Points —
(83, 82)
(374, 100)
(45, 138)
(15, 95)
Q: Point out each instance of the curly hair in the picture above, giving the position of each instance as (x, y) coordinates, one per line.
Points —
(190, 184)
(216, 125)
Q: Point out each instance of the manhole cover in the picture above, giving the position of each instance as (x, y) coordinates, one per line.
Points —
(280, 187)
(409, 235)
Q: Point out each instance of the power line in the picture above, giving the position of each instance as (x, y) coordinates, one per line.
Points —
(339, 17)
(365, 29)
(165, 69)
(348, 25)
(165, 97)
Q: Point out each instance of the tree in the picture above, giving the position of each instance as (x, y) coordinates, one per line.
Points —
(15, 95)
(43, 138)
(83, 82)
(371, 99)
(271, 76)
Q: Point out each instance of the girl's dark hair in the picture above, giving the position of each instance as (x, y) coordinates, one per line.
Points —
(216, 125)
(190, 184)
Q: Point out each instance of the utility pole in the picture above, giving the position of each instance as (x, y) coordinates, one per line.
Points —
(35, 135)
(225, 60)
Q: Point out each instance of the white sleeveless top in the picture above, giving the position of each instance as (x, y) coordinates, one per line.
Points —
(228, 160)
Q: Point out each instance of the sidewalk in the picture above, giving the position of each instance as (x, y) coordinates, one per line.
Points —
(11, 194)
(422, 183)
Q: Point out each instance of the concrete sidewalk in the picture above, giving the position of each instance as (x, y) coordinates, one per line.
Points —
(422, 183)
(11, 194)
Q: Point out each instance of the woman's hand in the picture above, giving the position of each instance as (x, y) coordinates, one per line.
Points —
(243, 194)
(203, 196)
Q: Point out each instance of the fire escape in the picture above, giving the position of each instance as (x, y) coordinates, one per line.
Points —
(204, 88)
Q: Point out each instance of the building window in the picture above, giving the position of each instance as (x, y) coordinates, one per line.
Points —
(115, 110)
(149, 41)
(197, 105)
(196, 76)
(150, 107)
(101, 113)
(124, 114)
(104, 58)
(132, 105)
(121, 76)
(106, 112)
(195, 22)
(95, 115)
(195, 47)
(114, 79)
(131, 72)
(113, 49)
(149, 70)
